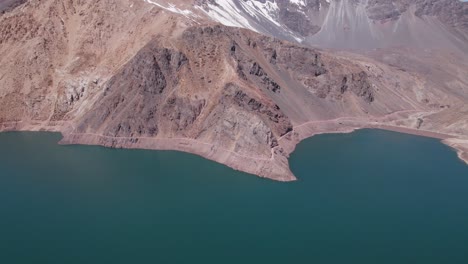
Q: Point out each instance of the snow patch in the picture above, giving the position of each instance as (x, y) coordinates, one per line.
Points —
(227, 13)
(300, 3)
(172, 8)
(268, 10)
(235, 13)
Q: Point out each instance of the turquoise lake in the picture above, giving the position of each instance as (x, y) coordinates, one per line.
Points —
(371, 196)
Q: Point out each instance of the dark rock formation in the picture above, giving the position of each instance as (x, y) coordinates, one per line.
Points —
(269, 112)
(270, 84)
(133, 101)
(359, 84)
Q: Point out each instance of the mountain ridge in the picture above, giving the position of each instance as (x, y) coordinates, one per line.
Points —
(169, 77)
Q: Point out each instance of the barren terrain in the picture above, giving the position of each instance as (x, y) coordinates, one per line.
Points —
(135, 74)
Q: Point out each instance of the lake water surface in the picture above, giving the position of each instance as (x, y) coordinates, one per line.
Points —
(367, 197)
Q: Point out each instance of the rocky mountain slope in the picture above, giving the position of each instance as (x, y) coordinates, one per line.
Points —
(168, 75)
(349, 23)
(7, 5)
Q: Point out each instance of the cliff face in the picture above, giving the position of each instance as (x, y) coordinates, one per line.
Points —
(218, 86)
(176, 93)
(165, 77)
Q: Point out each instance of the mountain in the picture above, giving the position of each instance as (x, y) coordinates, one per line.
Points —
(356, 24)
(238, 82)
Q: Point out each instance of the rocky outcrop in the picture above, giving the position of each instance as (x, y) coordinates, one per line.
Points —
(257, 71)
(270, 113)
(359, 84)
(135, 97)
(168, 93)
(383, 10)
(295, 16)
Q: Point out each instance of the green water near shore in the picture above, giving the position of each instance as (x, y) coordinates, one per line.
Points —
(366, 197)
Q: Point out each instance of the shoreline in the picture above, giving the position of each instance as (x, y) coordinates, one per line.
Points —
(275, 168)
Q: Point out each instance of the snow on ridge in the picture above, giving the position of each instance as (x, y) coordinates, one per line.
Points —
(300, 3)
(267, 10)
(227, 13)
(235, 13)
(172, 8)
